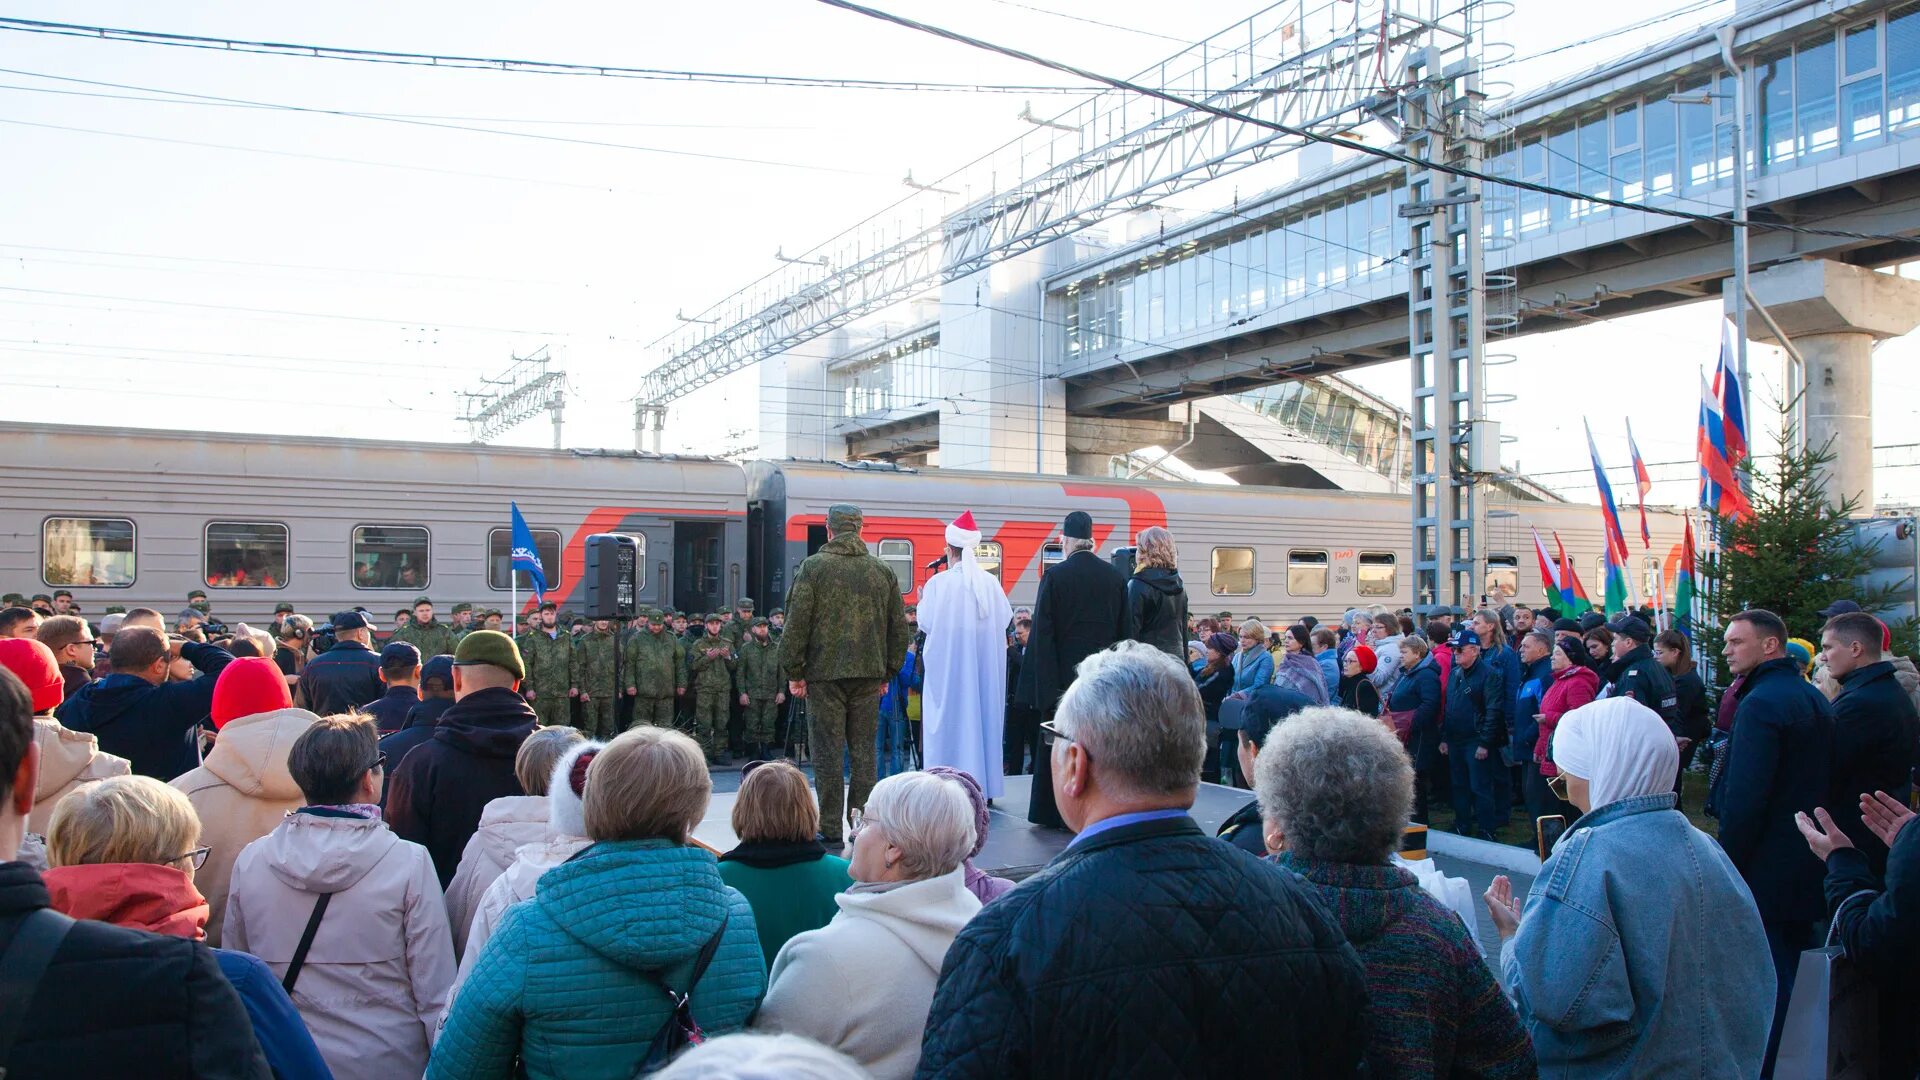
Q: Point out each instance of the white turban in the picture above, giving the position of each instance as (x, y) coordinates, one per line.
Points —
(964, 534)
(1619, 747)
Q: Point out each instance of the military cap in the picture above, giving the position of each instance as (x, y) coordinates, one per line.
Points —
(1224, 615)
(844, 518)
(462, 606)
(913, 607)
(14, 599)
(58, 593)
(715, 617)
(649, 612)
(759, 620)
(283, 608)
(548, 605)
(1632, 626)
(577, 620)
(418, 600)
(116, 610)
(777, 611)
(490, 647)
(39, 596)
(403, 611)
(439, 667)
(745, 603)
(201, 593)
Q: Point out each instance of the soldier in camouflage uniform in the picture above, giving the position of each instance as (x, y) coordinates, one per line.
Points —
(735, 630)
(551, 683)
(423, 633)
(462, 622)
(846, 636)
(762, 690)
(712, 664)
(656, 672)
(597, 681)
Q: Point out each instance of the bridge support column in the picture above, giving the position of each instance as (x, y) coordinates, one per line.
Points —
(1834, 313)
(1000, 408)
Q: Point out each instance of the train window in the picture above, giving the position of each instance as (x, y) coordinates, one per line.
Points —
(246, 555)
(989, 556)
(1376, 576)
(1232, 571)
(547, 543)
(898, 555)
(87, 551)
(1051, 554)
(1306, 573)
(390, 557)
(1503, 577)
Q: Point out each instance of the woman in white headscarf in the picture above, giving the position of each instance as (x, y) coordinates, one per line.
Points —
(1639, 951)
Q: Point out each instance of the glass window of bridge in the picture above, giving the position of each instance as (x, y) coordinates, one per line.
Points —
(1306, 573)
(1358, 225)
(989, 556)
(1625, 168)
(1241, 260)
(1902, 65)
(546, 543)
(87, 551)
(391, 557)
(1593, 164)
(898, 555)
(1861, 119)
(1773, 88)
(1503, 575)
(1232, 571)
(1697, 170)
(1533, 204)
(1659, 135)
(245, 555)
(1563, 169)
(1314, 227)
(1816, 101)
(1294, 267)
(1376, 574)
(1264, 252)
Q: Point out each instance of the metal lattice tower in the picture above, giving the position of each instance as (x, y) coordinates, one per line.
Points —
(528, 387)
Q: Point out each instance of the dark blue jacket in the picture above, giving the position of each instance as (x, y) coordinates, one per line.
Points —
(1419, 692)
(1881, 932)
(1143, 950)
(277, 1026)
(1779, 764)
(1639, 676)
(1534, 681)
(389, 710)
(1876, 733)
(1477, 704)
(1506, 661)
(341, 679)
(153, 727)
(418, 729)
(435, 796)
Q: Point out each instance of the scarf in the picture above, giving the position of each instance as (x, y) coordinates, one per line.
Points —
(1621, 748)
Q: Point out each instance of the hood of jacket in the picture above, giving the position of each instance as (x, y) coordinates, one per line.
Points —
(511, 822)
(325, 854)
(250, 753)
(112, 696)
(1160, 579)
(1366, 900)
(532, 861)
(140, 896)
(925, 914)
(64, 755)
(643, 904)
(487, 723)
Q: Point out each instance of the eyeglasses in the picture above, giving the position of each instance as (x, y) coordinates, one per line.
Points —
(198, 856)
(379, 762)
(1558, 786)
(1050, 733)
(857, 823)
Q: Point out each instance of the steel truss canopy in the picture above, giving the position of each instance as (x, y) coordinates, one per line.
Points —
(524, 390)
(1314, 65)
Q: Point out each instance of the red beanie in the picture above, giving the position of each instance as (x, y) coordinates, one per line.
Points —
(33, 663)
(1367, 659)
(249, 685)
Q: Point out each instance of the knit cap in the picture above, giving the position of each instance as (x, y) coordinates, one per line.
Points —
(246, 686)
(33, 664)
(1365, 655)
(567, 789)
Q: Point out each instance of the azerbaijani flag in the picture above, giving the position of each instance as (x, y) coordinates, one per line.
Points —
(1683, 586)
(1548, 577)
(1644, 481)
(1573, 595)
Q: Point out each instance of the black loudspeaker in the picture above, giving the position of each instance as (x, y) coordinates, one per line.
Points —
(613, 576)
(1123, 560)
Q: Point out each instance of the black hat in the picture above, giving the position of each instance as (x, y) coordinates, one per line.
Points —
(400, 652)
(1838, 607)
(1591, 620)
(1465, 636)
(439, 667)
(1566, 626)
(1078, 526)
(1632, 626)
(350, 620)
(1267, 706)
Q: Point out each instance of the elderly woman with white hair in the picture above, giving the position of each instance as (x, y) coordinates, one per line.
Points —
(1639, 951)
(863, 983)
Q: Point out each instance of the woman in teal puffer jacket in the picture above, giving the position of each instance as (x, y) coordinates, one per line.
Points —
(570, 985)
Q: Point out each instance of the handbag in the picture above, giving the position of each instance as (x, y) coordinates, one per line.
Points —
(1402, 721)
(1832, 1026)
(681, 1030)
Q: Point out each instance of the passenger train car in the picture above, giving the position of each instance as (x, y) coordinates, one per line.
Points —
(142, 517)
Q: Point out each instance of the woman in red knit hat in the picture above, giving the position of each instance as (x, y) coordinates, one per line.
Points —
(1357, 692)
(68, 759)
(242, 789)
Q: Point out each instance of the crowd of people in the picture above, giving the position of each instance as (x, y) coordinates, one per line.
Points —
(305, 851)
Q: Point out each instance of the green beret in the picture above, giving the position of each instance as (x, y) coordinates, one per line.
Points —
(844, 518)
(116, 610)
(490, 647)
(418, 600)
(462, 606)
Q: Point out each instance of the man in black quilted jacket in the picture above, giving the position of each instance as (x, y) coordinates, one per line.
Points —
(109, 1001)
(1147, 948)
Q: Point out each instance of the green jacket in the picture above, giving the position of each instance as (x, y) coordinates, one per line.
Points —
(550, 663)
(431, 639)
(711, 672)
(757, 671)
(656, 664)
(844, 616)
(595, 660)
(787, 899)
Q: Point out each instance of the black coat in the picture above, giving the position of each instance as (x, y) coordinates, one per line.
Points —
(437, 793)
(341, 679)
(153, 727)
(1778, 765)
(1881, 932)
(1149, 949)
(418, 729)
(1875, 735)
(389, 710)
(1476, 705)
(120, 1002)
(1157, 610)
(1639, 676)
(1696, 716)
(1082, 609)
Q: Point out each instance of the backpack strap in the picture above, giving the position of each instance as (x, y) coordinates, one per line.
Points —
(306, 942)
(22, 967)
(701, 961)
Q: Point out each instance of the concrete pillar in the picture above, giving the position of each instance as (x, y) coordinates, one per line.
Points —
(1833, 313)
(1000, 407)
(797, 410)
(1079, 464)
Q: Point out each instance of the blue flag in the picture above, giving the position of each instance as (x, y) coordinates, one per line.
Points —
(527, 557)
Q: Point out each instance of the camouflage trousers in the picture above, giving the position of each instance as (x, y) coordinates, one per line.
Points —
(710, 720)
(845, 714)
(551, 710)
(596, 717)
(759, 714)
(657, 712)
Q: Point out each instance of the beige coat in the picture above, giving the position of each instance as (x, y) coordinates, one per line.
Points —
(376, 978)
(241, 791)
(506, 825)
(68, 760)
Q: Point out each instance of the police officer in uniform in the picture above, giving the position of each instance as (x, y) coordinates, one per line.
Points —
(346, 676)
(1636, 674)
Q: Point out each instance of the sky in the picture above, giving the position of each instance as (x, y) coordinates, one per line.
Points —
(241, 265)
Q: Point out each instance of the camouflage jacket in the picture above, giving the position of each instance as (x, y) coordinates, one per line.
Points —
(656, 664)
(595, 660)
(431, 639)
(757, 671)
(844, 616)
(711, 672)
(736, 630)
(550, 663)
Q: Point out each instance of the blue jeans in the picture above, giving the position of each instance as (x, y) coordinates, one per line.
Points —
(890, 743)
(1473, 785)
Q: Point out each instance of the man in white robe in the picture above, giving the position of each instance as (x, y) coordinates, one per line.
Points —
(965, 613)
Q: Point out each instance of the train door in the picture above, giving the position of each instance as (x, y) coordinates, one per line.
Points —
(816, 538)
(697, 566)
